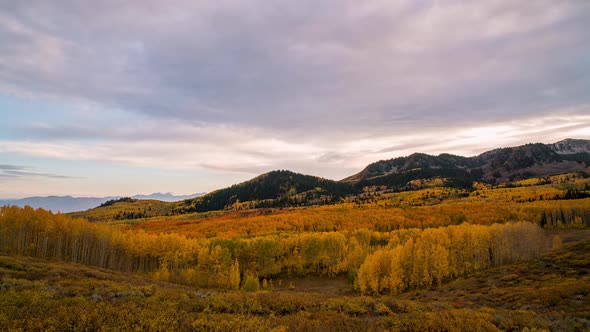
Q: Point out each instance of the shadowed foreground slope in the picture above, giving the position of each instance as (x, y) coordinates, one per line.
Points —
(549, 293)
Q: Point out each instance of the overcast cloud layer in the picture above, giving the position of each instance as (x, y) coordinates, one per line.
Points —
(322, 87)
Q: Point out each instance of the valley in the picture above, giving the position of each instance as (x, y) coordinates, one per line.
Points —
(548, 293)
(288, 252)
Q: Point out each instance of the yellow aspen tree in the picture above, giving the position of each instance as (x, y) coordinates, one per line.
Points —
(234, 275)
(395, 279)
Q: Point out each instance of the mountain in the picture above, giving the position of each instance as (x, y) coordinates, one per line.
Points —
(571, 146)
(530, 160)
(412, 162)
(273, 189)
(495, 166)
(573, 149)
(285, 188)
(58, 203)
(67, 204)
(288, 189)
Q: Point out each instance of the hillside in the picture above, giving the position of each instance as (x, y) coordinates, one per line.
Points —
(125, 208)
(533, 200)
(273, 189)
(571, 146)
(549, 293)
(415, 161)
(495, 166)
(276, 188)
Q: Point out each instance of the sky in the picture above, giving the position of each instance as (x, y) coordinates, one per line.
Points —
(102, 98)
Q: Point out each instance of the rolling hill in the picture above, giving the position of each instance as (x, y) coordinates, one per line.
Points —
(276, 188)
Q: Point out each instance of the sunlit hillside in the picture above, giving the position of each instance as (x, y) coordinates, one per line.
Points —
(557, 201)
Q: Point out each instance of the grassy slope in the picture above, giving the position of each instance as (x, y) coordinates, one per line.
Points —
(548, 293)
(119, 210)
(556, 287)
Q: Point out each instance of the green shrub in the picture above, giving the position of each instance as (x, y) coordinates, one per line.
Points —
(251, 283)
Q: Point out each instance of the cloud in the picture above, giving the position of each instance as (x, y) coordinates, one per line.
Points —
(321, 87)
(305, 66)
(14, 171)
(11, 167)
(329, 157)
(236, 150)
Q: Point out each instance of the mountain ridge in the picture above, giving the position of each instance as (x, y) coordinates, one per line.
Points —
(496, 166)
(571, 146)
(282, 188)
(68, 203)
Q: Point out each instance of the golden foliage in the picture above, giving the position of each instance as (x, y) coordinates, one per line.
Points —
(437, 255)
(543, 294)
(382, 261)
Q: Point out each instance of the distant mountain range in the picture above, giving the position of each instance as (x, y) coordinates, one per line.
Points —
(70, 204)
(285, 188)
